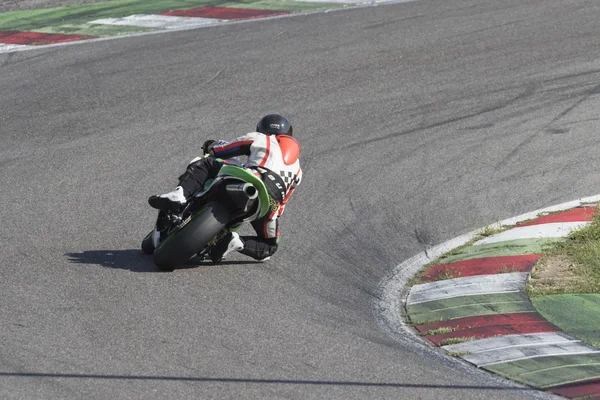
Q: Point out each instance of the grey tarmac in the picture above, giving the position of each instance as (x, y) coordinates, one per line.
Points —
(418, 122)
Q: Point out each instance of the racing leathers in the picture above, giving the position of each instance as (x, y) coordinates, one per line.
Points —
(275, 159)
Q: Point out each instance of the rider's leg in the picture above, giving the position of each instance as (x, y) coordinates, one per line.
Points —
(190, 181)
(260, 247)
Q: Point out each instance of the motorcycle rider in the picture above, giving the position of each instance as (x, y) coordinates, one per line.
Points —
(273, 155)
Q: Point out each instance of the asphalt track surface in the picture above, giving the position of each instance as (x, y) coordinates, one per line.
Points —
(419, 122)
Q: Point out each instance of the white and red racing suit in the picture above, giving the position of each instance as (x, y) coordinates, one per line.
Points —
(275, 159)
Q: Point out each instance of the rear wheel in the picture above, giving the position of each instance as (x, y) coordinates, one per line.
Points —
(192, 238)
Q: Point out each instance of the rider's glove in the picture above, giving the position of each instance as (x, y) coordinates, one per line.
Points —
(206, 146)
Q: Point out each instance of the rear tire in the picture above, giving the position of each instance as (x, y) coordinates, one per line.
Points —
(192, 238)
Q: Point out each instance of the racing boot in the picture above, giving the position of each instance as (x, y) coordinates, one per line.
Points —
(171, 201)
(230, 242)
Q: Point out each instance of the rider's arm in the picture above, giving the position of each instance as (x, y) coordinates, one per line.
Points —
(237, 147)
(210, 143)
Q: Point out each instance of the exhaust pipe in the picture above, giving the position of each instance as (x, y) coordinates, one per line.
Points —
(247, 189)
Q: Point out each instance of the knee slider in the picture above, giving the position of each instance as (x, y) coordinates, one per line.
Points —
(272, 247)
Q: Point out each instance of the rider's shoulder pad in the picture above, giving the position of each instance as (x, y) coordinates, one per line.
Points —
(290, 149)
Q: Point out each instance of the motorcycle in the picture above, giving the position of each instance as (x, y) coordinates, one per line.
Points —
(234, 196)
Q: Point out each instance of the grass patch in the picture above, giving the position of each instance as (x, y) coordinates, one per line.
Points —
(506, 269)
(458, 353)
(438, 331)
(490, 230)
(457, 340)
(448, 273)
(417, 279)
(425, 322)
(571, 265)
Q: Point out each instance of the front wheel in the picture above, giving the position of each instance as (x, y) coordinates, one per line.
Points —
(180, 246)
(147, 244)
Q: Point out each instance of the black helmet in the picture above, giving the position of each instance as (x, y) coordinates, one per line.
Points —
(274, 124)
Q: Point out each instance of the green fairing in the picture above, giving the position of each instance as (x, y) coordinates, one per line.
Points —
(253, 179)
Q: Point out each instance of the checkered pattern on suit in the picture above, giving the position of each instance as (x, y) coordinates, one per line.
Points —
(288, 177)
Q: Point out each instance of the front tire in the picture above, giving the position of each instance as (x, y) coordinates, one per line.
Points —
(147, 244)
(192, 238)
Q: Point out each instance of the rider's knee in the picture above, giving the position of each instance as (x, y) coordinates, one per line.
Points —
(259, 249)
(272, 243)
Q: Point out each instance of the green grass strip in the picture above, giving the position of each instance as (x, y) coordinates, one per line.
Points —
(96, 30)
(550, 371)
(507, 248)
(469, 306)
(576, 314)
(31, 20)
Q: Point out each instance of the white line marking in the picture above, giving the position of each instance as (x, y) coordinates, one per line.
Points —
(551, 230)
(524, 352)
(508, 341)
(7, 48)
(468, 286)
(157, 21)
